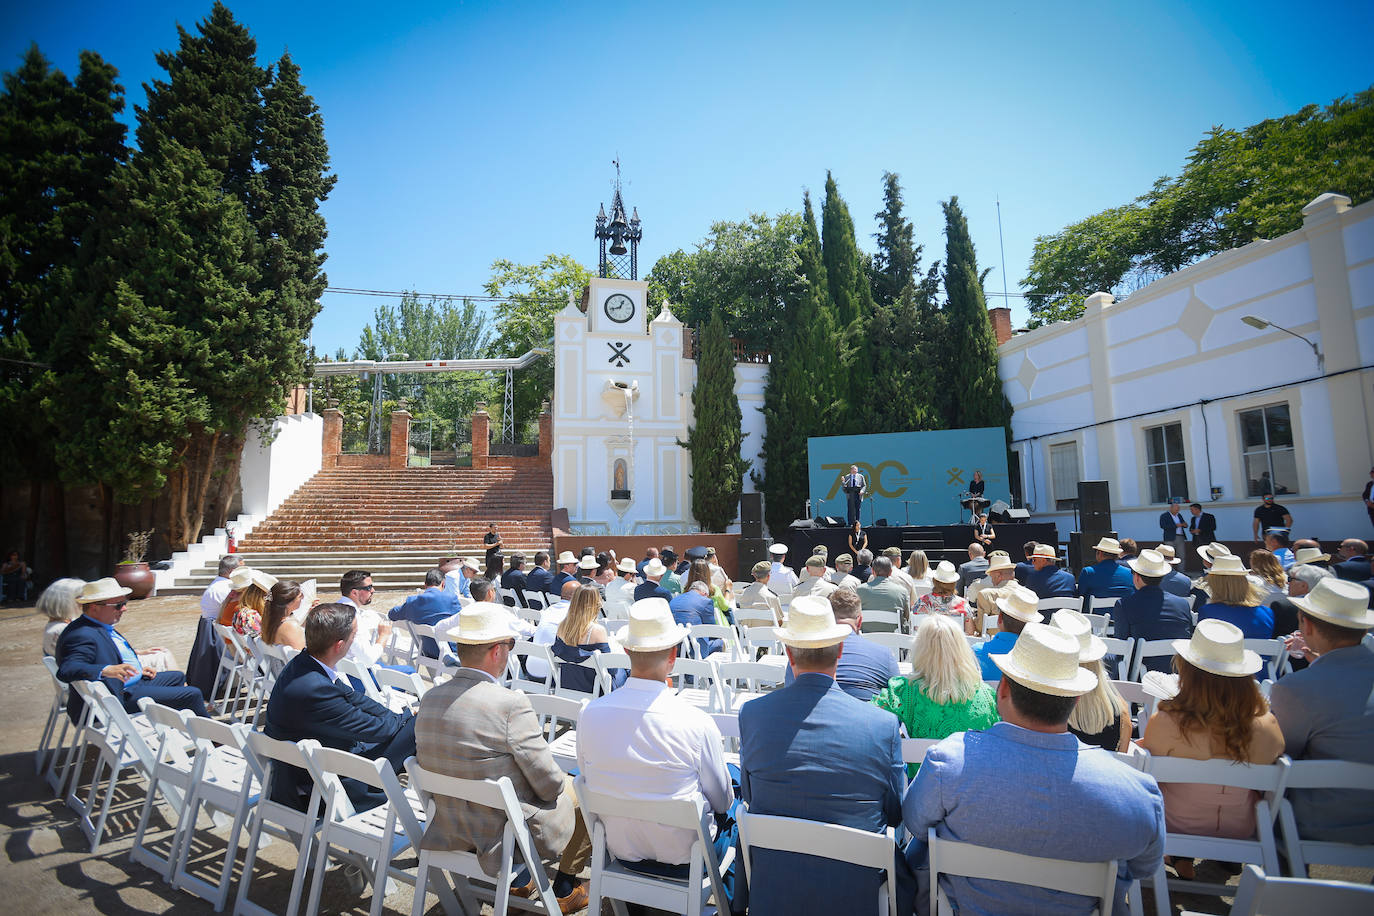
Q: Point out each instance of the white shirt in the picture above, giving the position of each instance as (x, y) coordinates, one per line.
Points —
(620, 594)
(842, 579)
(903, 578)
(213, 598)
(523, 628)
(782, 579)
(816, 586)
(549, 620)
(643, 742)
(365, 650)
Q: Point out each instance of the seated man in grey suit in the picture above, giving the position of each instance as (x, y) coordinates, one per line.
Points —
(472, 727)
(812, 751)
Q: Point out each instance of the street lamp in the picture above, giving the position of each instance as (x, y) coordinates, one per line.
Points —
(1260, 324)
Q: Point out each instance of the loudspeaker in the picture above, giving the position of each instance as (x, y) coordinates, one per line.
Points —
(799, 523)
(832, 521)
(880, 523)
(751, 551)
(1094, 505)
(1081, 547)
(751, 515)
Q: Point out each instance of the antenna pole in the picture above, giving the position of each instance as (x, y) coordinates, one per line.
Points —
(1003, 247)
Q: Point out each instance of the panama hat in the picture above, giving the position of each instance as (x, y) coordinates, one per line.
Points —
(566, 557)
(654, 568)
(587, 563)
(1227, 564)
(1090, 648)
(101, 590)
(1209, 552)
(1109, 545)
(1218, 647)
(811, 625)
(1151, 563)
(470, 563)
(1337, 602)
(241, 578)
(1310, 555)
(1045, 551)
(1168, 553)
(1045, 659)
(652, 627)
(777, 549)
(627, 565)
(945, 572)
(1000, 561)
(480, 623)
(1021, 603)
(263, 580)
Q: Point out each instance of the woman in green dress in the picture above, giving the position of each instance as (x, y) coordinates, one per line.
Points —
(945, 692)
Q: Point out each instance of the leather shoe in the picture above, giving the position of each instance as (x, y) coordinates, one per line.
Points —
(524, 890)
(575, 901)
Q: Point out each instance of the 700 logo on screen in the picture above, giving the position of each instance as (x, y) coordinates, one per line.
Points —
(874, 473)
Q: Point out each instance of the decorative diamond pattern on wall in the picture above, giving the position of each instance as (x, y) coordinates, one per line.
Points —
(1027, 373)
(1196, 319)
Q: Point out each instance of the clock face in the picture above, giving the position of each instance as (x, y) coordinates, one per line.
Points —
(619, 307)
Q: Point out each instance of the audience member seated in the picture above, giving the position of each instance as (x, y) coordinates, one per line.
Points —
(815, 580)
(1307, 552)
(567, 571)
(1101, 718)
(540, 580)
(202, 664)
(811, 751)
(884, 593)
(695, 606)
(1150, 612)
(1017, 606)
(943, 600)
(472, 727)
(1107, 578)
(650, 553)
(1047, 580)
(783, 579)
(1325, 711)
(1264, 567)
(973, 570)
(983, 595)
(279, 625)
(865, 667)
(252, 602)
(757, 594)
(945, 692)
(91, 649)
(578, 636)
(652, 586)
(1027, 785)
(620, 591)
(672, 579)
(1353, 561)
(1218, 712)
(240, 579)
(844, 564)
(863, 566)
(17, 577)
(428, 608)
(918, 568)
(587, 567)
(58, 604)
(1026, 567)
(1302, 578)
(1277, 543)
(356, 590)
(1175, 583)
(899, 575)
(1236, 599)
(515, 577)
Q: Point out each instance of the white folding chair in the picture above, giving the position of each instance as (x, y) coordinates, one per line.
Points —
(1133, 692)
(45, 758)
(739, 682)
(121, 747)
(754, 617)
(1269, 780)
(975, 641)
(1124, 650)
(1049, 605)
(408, 685)
(366, 675)
(826, 841)
(1275, 655)
(1101, 623)
(519, 679)
(236, 669)
(966, 860)
(1331, 776)
(606, 663)
(535, 601)
(558, 718)
(516, 841)
(431, 668)
(1149, 648)
(728, 723)
(899, 644)
(268, 757)
(704, 692)
(756, 638)
(171, 774)
(612, 880)
(1260, 893)
(914, 749)
(263, 679)
(991, 622)
(726, 634)
(881, 622)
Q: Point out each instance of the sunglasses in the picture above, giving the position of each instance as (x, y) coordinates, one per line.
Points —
(117, 605)
(367, 588)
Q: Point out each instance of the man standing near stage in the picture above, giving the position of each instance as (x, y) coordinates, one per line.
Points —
(854, 486)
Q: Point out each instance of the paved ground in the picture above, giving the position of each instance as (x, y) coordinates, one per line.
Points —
(47, 865)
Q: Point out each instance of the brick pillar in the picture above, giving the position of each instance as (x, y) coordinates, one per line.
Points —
(333, 438)
(400, 438)
(1001, 323)
(545, 432)
(481, 423)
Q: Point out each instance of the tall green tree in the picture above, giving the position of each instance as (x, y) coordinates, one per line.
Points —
(976, 397)
(898, 256)
(845, 267)
(715, 438)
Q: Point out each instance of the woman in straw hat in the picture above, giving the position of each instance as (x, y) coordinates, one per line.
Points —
(1101, 717)
(253, 602)
(942, 598)
(1266, 567)
(579, 635)
(945, 692)
(1236, 598)
(1219, 712)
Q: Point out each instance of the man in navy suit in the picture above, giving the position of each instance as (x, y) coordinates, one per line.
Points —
(1026, 567)
(313, 700)
(1106, 578)
(812, 751)
(91, 649)
(1047, 580)
(428, 608)
(1354, 561)
(1151, 612)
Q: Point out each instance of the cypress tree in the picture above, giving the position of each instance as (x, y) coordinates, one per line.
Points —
(715, 439)
(975, 391)
(898, 258)
(845, 270)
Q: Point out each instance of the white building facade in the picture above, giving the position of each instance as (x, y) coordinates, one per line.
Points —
(1170, 394)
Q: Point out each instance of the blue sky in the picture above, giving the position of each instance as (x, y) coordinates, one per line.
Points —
(467, 132)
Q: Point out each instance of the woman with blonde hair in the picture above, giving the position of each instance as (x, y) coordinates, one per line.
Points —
(918, 568)
(579, 635)
(253, 602)
(1266, 567)
(58, 604)
(945, 692)
(1236, 599)
(1102, 717)
(943, 598)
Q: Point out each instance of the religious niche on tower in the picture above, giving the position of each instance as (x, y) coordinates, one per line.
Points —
(620, 479)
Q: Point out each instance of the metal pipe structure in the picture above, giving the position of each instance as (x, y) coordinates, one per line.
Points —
(390, 367)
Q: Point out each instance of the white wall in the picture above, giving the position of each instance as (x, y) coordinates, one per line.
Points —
(277, 459)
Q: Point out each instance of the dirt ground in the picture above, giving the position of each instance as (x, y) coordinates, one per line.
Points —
(48, 866)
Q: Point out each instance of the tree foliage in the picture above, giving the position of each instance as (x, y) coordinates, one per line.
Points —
(846, 269)
(1235, 187)
(714, 441)
(970, 362)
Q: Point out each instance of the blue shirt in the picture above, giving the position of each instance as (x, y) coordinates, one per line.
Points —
(1254, 622)
(126, 652)
(1176, 583)
(1284, 556)
(1000, 644)
(1106, 579)
(691, 608)
(651, 589)
(864, 669)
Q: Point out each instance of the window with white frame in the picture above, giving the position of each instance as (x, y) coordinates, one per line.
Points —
(1065, 474)
(1266, 444)
(1164, 463)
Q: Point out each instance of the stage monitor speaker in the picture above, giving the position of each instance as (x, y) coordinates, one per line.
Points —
(880, 523)
(751, 515)
(1018, 515)
(751, 551)
(1081, 544)
(799, 523)
(832, 521)
(1094, 505)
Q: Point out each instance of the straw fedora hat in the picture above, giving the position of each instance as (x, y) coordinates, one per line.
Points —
(945, 572)
(811, 625)
(1151, 563)
(777, 549)
(654, 567)
(652, 627)
(1021, 603)
(1209, 552)
(263, 580)
(241, 578)
(482, 622)
(101, 590)
(1090, 648)
(587, 563)
(1336, 601)
(1168, 553)
(1045, 551)
(1000, 561)
(1219, 648)
(566, 557)
(1109, 545)
(1310, 555)
(471, 563)
(1227, 564)
(627, 565)
(1045, 659)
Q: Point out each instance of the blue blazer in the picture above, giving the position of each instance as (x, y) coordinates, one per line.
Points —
(812, 751)
(1106, 579)
(1051, 582)
(305, 703)
(538, 579)
(428, 608)
(1176, 583)
(1152, 613)
(84, 650)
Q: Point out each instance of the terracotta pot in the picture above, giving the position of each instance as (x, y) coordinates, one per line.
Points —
(136, 576)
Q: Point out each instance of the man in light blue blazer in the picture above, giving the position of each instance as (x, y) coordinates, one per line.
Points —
(812, 751)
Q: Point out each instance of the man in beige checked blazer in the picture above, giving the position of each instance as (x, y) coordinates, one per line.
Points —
(472, 727)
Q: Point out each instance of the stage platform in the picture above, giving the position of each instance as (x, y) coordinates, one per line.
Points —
(940, 542)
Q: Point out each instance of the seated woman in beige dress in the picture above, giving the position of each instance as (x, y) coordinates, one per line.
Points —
(1219, 712)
